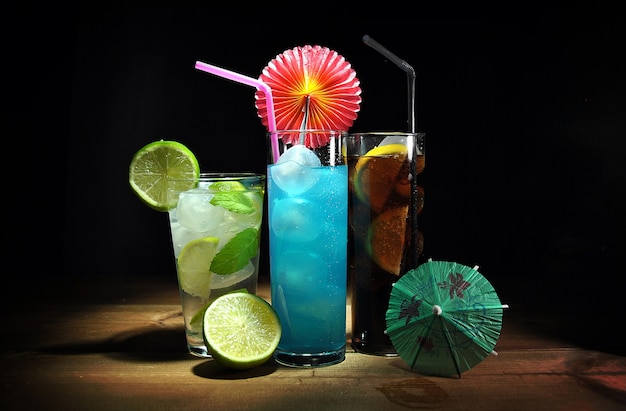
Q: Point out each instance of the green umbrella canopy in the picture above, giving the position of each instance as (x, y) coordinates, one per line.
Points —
(444, 318)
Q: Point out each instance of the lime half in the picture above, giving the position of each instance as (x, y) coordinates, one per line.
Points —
(241, 330)
(153, 164)
(194, 263)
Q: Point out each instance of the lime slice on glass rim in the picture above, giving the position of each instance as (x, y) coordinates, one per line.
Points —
(153, 164)
(241, 330)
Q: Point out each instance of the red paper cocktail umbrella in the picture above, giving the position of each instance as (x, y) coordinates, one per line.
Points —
(320, 74)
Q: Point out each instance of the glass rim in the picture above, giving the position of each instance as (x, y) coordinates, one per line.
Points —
(222, 176)
(387, 133)
(308, 130)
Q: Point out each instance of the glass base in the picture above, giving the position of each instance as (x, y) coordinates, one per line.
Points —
(374, 349)
(322, 359)
(198, 350)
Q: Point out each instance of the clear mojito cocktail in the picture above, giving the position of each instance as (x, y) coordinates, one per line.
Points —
(216, 229)
(308, 220)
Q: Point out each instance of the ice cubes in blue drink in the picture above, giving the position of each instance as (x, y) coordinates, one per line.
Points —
(301, 155)
(290, 171)
(309, 300)
(296, 219)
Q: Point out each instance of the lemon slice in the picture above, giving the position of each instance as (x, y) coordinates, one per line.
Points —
(376, 174)
(241, 330)
(194, 262)
(151, 166)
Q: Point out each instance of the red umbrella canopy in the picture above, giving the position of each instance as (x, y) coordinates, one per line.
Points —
(320, 74)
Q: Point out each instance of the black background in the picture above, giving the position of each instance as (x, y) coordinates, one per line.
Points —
(524, 115)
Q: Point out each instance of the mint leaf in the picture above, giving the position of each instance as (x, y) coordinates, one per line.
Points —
(236, 202)
(237, 253)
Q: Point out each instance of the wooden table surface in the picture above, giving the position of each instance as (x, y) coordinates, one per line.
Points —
(118, 344)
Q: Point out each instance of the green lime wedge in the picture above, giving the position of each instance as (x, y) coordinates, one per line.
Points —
(227, 186)
(194, 262)
(153, 164)
(241, 330)
(196, 321)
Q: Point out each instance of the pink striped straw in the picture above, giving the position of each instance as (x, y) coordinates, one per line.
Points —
(240, 78)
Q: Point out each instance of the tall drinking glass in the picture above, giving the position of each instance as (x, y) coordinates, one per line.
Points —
(308, 219)
(216, 230)
(384, 241)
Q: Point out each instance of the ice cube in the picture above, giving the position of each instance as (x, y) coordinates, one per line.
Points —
(222, 281)
(290, 172)
(304, 294)
(299, 271)
(194, 210)
(296, 219)
(181, 236)
(301, 155)
(225, 231)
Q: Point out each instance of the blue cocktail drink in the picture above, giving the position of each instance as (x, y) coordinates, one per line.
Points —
(307, 216)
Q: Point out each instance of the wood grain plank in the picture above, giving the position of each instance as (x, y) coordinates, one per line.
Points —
(125, 349)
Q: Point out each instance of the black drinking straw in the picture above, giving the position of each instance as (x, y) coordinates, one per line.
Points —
(410, 73)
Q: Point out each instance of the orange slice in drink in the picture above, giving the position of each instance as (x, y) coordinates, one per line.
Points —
(376, 174)
(420, 164)
(386, 237)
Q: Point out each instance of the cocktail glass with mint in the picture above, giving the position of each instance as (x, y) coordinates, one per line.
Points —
(216, 230)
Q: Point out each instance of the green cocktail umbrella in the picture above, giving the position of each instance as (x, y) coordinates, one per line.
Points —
(443, 318)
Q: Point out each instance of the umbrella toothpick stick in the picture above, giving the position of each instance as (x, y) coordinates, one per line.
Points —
(305, 120)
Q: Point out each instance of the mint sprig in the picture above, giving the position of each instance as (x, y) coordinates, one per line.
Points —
(236, 202)
(236, 254)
